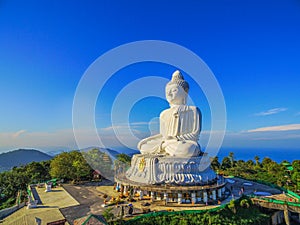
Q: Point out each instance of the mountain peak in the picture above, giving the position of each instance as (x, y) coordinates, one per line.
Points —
(20, 157)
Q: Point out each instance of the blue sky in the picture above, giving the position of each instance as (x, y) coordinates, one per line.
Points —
(252, 47)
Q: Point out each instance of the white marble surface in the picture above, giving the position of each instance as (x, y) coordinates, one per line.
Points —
(155, 169)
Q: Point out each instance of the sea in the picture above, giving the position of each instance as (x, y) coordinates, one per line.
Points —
(276, 154)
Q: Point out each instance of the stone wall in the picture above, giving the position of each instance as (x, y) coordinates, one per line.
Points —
(6, 212)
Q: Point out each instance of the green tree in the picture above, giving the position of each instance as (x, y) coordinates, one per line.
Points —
(266, 162)
(296, 179)
(108, 214)
(101, 161)
(70, 166)
(296, 165)
(245, 203)
(61, 166)
(37, 172)
(215, 163)
(81, 168)
(11, 182)
(226, 163)
(124, 158)
(231, 157)
(250, 164)
(256, 158)
(232, 206)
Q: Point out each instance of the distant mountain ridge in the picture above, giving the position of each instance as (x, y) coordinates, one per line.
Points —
(110, 152)
(20, 157)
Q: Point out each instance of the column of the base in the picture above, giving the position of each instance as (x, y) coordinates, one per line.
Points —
(199, 196)
(219, 193)
(214, 197)
(179, 198)
(136, 191)
(223, 190)
(152, 195)
(205, 196)
(158, 196)
(125, 190)
(141, 194)
(193, 197)
(166, 196)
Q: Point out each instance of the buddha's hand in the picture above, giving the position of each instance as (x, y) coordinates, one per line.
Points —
(167, 141)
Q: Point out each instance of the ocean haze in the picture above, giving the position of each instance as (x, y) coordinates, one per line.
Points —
(276, 154)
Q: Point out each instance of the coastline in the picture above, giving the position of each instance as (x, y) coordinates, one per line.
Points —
(276, 154)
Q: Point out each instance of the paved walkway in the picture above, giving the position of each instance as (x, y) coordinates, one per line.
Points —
(89, 202)
(48, 212)
(249, 187)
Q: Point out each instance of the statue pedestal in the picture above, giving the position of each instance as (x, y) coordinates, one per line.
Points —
(162, 169)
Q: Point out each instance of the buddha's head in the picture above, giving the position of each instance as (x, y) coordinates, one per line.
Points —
(177, 89)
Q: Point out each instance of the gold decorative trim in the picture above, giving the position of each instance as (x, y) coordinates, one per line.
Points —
(142, 164)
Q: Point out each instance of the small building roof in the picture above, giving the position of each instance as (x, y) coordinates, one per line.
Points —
(97, 172)
(90, 220)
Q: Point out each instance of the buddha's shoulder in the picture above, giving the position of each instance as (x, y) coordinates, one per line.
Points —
(193, 108)
(166, 111)
(186, 108)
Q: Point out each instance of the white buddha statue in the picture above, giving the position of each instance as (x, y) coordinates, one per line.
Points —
(180, 125)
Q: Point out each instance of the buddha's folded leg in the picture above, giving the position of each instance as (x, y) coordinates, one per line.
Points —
(150, 146)
(183, 148)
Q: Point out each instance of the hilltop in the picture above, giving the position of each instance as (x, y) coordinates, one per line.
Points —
(21, 157)
(110, 152)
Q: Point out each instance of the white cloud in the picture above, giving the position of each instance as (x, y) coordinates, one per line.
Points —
(18, 133)
(25, 139)
(271, 112)
(279, 136)
(112, 128)
(288, 127)
(132, 124)
(139, 123)
(110, 137)
(118, 128)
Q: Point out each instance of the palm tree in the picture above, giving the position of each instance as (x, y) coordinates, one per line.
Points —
(256, 160)
(231, 156)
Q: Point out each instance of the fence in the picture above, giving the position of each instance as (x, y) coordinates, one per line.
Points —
(186, 212)
(293, 194)
(6, 212)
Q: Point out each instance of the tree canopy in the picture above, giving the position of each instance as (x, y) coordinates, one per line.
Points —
(70, 166)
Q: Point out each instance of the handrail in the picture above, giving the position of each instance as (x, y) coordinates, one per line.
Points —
(185, 212)
(275, 201)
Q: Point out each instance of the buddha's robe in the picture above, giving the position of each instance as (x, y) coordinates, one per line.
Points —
(180, 127)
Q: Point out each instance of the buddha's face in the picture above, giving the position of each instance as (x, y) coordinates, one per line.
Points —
(175, 94)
